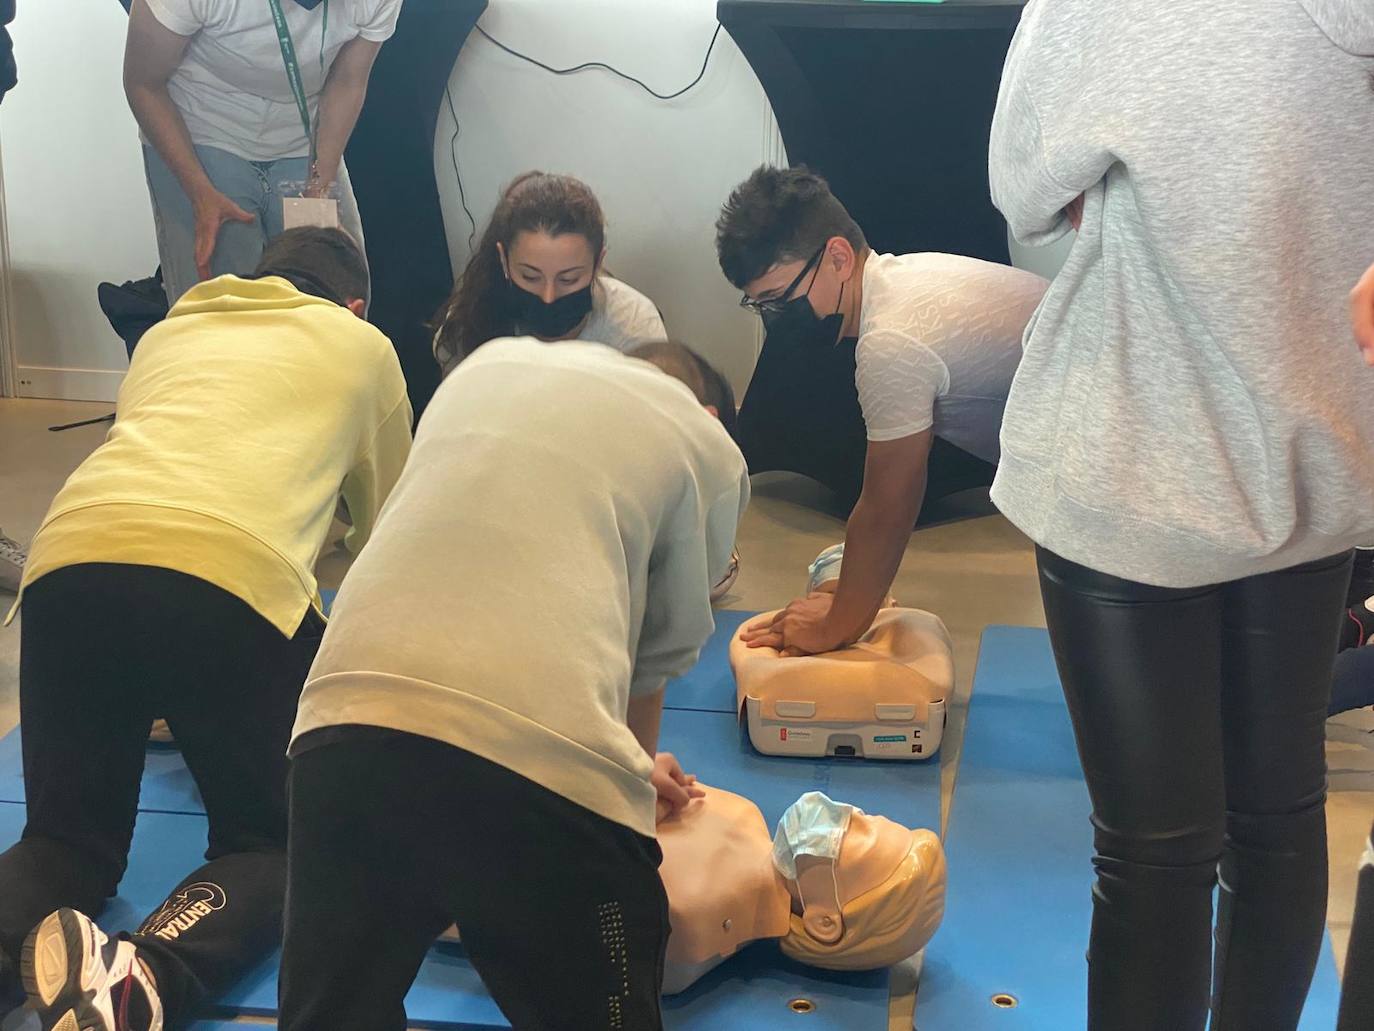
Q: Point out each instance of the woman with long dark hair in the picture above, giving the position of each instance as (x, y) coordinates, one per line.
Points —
(539, 271)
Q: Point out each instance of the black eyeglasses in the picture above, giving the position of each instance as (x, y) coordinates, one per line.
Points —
(774, 305)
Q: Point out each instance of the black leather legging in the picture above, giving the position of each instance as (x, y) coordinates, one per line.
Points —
(1200, 719)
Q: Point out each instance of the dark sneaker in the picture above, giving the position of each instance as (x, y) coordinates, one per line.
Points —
(1356, 627)
(79, 980)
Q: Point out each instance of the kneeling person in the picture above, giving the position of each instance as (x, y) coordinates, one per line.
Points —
(477, 738)
(172, 577)
(938, 343)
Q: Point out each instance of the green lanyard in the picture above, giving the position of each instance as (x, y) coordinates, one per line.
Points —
(293, 68)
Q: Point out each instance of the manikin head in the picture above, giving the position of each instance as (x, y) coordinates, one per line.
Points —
(321, 262)
(867, 893)
(878, 904)
(790, 245)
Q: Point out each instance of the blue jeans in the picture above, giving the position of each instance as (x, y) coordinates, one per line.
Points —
(255, 186)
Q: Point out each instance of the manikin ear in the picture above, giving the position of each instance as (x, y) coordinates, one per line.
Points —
(839, 255)
(358, 307)
(820, 899)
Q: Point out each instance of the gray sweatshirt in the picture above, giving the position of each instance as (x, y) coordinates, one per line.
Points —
(1191, 407)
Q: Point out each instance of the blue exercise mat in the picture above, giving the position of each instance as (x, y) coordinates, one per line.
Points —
(167, 784)
(1019, 848)
(710, 686)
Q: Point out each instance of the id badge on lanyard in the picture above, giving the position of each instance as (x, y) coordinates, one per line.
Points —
(297, 209)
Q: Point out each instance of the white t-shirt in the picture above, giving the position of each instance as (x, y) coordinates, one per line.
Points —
(231, 86)
(939, 343)
(548, 552)
(621, 317)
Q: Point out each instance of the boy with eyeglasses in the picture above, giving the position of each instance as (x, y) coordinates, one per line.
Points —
(935, 338)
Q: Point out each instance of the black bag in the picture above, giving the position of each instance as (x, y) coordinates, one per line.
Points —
(134, 307)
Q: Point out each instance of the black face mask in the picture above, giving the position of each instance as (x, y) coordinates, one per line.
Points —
(309, 5)
(799, 325)
(530, 314)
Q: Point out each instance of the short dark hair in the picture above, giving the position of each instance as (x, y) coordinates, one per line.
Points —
(779, 215)
(701, 377)
(317, 261)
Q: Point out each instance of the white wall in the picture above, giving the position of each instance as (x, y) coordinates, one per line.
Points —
(661, 169)
(78, 210)
(75, 199)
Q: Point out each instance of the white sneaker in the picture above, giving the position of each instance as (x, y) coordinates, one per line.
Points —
(77, 979)
(12, 559)
(722, 588)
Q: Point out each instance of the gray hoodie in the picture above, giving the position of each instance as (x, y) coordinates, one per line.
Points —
(1191, 407)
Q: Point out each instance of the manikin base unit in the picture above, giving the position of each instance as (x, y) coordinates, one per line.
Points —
(883, 697)
(895, 733)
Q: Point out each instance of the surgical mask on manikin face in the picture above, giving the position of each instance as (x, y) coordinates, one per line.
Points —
(551, 320)
(813, 825)
(798, 323)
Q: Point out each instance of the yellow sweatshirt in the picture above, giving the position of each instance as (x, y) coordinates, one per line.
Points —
(243, 417)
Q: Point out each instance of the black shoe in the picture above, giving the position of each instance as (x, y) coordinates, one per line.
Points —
(1356, 627)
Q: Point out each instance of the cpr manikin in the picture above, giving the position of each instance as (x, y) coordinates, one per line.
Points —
(841, 889)
(883, 697)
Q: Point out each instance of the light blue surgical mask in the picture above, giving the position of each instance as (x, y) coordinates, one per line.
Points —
(813, 825)
(826, 567)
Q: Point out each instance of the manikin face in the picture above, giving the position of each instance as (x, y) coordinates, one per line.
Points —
(550, 266)
(871, 849)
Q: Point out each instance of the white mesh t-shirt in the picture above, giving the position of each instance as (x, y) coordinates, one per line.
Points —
(231, 86)
(939, 343)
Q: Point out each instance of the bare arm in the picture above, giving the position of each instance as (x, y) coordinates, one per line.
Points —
(1362, 314)
(876, 538)
(340, 102)
(879, 530)
(152, 53)
(675, 789)
(644, 715)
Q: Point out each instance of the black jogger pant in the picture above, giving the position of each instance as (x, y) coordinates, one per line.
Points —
(395, 837)
(1200, 720)
(105, 649)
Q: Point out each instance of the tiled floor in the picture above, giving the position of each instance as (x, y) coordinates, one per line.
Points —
(972, 572)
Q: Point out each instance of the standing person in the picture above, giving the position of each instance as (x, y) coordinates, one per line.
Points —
(936, 340)
(477, 741)
(173, 577)
(539, 270)
(238, 111)
(1188, 443)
